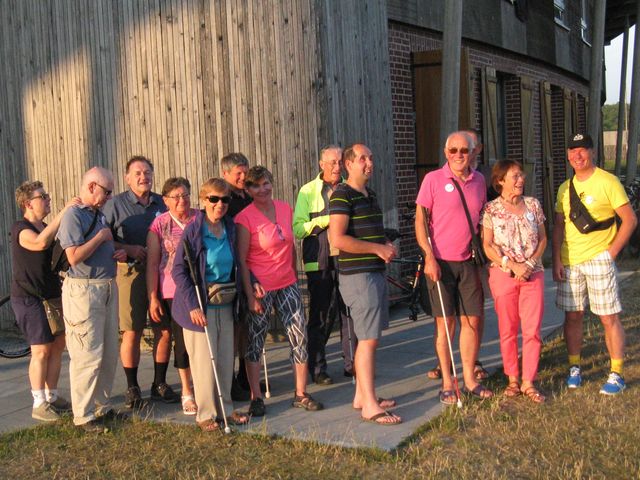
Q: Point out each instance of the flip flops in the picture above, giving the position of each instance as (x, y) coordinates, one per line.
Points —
(383, 402)
(395, 420)
(448, 397)
(480, 391)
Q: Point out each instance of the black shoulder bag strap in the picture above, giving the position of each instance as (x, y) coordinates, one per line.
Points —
(59, 251)
(577, 207)
(474, 235)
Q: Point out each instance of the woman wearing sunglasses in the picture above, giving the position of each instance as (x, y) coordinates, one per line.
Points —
(162, 241)
(211, 241)
(35, 287)
(266, 251)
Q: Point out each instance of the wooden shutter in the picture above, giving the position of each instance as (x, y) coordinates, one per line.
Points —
(490, 115)
(547, 153)
(526, 122)
(568, 125)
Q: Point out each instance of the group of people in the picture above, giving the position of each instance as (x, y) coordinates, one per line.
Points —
(209, 279)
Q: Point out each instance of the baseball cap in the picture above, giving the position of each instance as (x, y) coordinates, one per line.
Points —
(580, 140)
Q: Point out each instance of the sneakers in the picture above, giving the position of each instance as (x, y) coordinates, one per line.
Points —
(45, 413)
(133, 398)
(614, 385)
(164, 393)
(574, 380)
(93, 426)
(61, 405)
(257, 408)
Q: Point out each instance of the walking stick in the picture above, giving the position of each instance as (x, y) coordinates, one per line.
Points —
(446, 324)
(267, 393)
(194, 278)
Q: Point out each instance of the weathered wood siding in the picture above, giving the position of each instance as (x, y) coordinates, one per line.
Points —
(92, 82)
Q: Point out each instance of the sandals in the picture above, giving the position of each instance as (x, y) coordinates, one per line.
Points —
(237, 418)
(383, 418)
(189, 406)
(383, 402)
(307, 402)
(209, 425)
(480, 391)
(512, 390)
(534, 394)
(479, 372)
(448, 397)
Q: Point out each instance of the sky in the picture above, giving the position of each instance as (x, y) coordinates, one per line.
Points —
(613, 62)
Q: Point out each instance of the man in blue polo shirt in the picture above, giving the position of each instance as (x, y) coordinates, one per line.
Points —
(130, 214)
(89, 300)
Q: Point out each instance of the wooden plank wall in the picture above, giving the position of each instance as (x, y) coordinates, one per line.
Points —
(184, 82)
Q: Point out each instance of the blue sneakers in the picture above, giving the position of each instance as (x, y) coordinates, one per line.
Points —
(574, 380)
(614, 385)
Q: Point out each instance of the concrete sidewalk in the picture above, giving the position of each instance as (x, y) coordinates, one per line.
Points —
(405, 354)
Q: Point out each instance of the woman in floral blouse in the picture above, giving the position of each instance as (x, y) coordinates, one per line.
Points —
(514, 240)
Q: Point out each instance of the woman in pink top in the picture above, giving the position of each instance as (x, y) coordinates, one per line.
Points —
(514, 240)
(162, 241)
(267, 262)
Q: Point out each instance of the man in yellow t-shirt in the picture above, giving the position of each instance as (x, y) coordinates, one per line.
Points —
(584, 263)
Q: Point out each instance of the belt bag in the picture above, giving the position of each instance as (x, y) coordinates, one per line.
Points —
(53, 309)
(221, 293)
(580, 216)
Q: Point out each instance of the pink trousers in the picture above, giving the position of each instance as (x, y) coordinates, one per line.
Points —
(518, 304)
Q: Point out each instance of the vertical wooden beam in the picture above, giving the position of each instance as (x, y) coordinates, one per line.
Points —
(595, 83)
(451, 43)
(632, 149)
(622, 102)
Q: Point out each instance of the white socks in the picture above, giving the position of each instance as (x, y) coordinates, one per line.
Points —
(38, 398)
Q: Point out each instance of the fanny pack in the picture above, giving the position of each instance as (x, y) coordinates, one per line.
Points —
(221, 293)
(580, 216)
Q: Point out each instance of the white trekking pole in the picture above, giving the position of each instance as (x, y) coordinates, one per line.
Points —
(194, 278)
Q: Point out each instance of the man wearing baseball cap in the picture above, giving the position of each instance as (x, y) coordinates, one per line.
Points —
(586, 242)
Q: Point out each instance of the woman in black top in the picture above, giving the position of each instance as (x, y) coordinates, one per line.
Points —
(32, 282)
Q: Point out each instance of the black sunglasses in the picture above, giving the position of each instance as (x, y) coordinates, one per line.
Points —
(216, 199)
(454, 150)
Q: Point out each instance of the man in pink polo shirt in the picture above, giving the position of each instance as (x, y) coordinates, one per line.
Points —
(449, 260)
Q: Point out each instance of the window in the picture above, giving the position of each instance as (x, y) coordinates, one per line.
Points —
(560, 12)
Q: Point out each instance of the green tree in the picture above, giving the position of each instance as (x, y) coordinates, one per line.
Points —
(610, 117)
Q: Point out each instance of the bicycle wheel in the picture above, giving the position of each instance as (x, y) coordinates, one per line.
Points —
(423, 296)
(12, 343)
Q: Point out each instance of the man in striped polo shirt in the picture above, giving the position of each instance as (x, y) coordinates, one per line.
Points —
(356, 229)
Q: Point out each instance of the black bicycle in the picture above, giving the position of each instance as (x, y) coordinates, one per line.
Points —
(412, 289)
(12, 342)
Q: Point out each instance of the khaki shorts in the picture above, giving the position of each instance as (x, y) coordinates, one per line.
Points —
(134, 304)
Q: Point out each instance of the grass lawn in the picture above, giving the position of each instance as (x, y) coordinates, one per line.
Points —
(576, 434)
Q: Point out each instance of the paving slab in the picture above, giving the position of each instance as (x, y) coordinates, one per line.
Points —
(404, 356)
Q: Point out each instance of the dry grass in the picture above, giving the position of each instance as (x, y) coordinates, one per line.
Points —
(577, 434)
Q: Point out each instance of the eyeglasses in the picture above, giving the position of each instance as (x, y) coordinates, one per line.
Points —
(279, 232)
(43, 196)
(178, 197)
(454, 150)
(333, 163)
(107, 192)
(216, 199)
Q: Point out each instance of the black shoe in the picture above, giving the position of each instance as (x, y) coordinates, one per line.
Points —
(239, 394)
(348, 373)
(93, 426)
(113, 416)
(323, 379)
(164, 393)
(133, 398)
(257, 408)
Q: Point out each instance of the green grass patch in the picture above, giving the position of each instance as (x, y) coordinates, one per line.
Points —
(576, 434)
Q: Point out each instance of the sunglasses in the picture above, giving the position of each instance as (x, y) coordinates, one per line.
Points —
(44, 196)
(107, 192)
(454, 150)
(216, 199)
